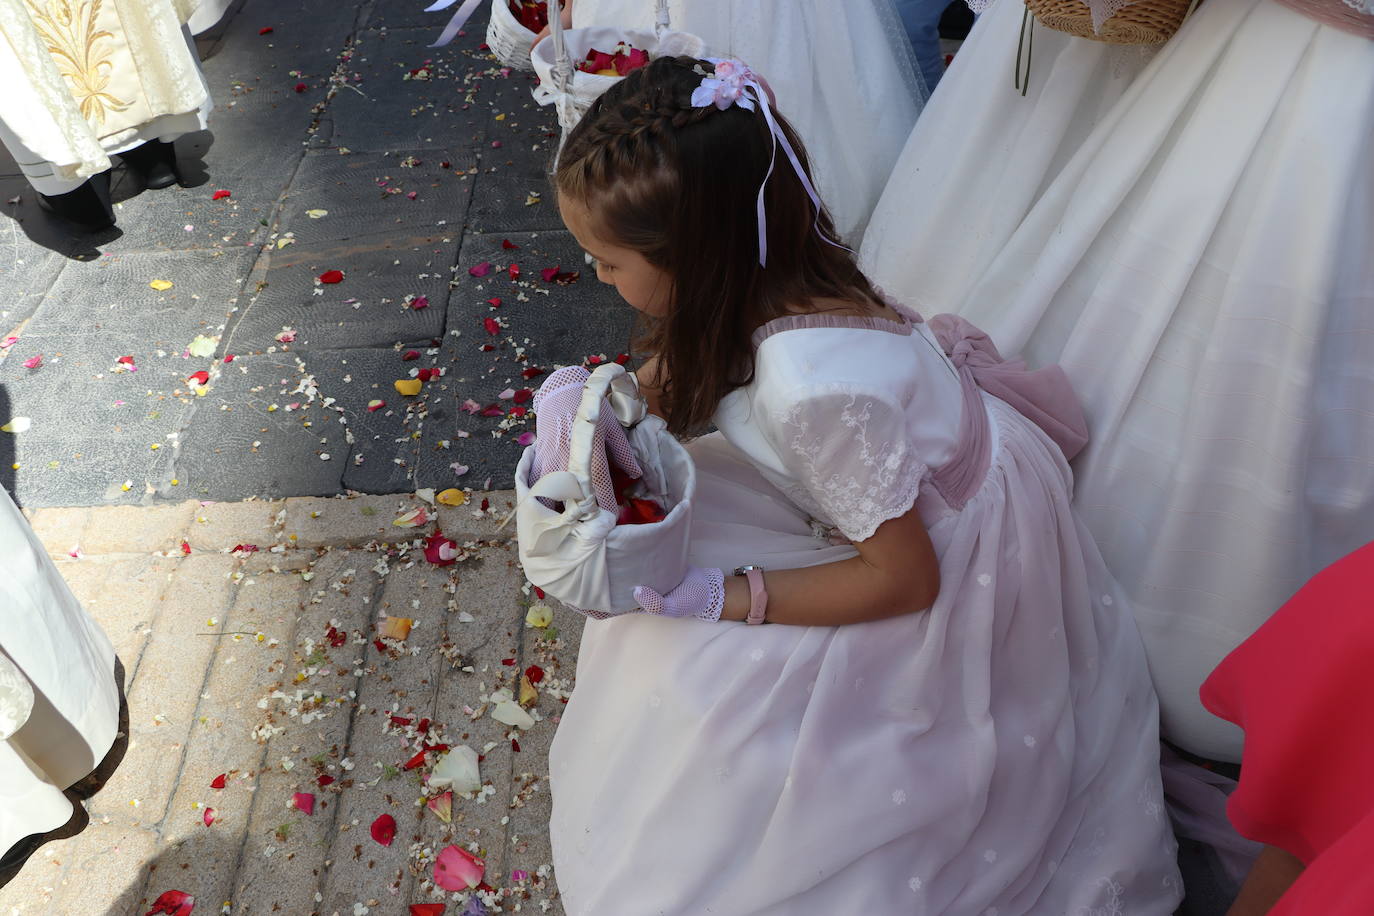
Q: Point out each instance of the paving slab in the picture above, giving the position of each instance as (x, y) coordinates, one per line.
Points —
(71, 468)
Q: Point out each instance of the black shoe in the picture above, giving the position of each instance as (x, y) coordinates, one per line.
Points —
(156, 162)
(88, 206)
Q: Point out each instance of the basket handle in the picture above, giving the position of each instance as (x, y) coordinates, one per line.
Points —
(607, 383)
(661, 20)
(562, 65)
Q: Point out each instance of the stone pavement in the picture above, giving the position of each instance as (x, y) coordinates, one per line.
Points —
(250, 636)
(345, 144)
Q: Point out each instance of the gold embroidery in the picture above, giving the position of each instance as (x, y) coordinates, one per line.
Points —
(69, 29)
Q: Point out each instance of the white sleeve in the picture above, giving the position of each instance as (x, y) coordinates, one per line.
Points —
(849, 451)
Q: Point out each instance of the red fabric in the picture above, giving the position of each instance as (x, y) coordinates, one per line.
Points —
(1302, 688)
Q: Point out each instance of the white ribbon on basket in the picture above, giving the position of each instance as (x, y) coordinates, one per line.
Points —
(455, 24)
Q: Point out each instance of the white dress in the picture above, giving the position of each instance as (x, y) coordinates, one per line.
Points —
(843, 74)
(997, 753)
(1191, 241)
(87, 79)
(59, 704)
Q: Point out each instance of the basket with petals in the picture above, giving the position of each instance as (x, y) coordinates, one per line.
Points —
(584, 554)
(564, 83)
(511, 29)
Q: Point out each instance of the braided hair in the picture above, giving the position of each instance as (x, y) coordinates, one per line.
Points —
(679, 185)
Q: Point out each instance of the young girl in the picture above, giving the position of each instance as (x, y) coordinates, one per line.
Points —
(950, 711)
(844, 73)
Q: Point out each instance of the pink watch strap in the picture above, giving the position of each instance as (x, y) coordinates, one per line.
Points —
(758, 597)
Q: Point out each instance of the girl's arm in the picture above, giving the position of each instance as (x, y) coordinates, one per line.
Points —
(896, 572)
(1270, 877)
(567, 23)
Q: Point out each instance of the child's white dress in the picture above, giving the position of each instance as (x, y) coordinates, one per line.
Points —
(843, 73)
(997, 753)
(1193, 241)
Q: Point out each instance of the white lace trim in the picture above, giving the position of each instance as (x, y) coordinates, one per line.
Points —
(1361, 6)
(880, 477)
(715, 584)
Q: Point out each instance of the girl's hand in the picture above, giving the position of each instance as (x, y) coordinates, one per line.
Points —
(700, 594)
(567, 24)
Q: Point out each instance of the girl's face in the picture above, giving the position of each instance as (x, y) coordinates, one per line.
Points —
(639, 283)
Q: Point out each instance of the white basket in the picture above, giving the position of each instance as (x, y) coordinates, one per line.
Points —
(573, 91)
(507, 38)
(580, 555)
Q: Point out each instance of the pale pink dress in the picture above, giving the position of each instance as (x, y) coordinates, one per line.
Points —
(996, 754)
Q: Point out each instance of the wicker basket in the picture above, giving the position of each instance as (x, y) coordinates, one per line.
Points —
(1144, 22)
(508, 39)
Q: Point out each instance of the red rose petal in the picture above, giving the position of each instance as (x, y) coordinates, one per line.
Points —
(481, 270)
(384, 829)
(400, 720)
(331, 276)
(492, 325)
(417, 761)
(173, 903)
(508, 662)
(220, 194)
(419, 302)
(509, 245)
(265, 30)
(494, 302)
(622, 358)
(514, 271)
(218, 781)
(301, 87)
(336, 637)
(456, 869)
(304, 801)
(199, 378)
(441, 551)
(534, 673)
(515, 745)
(531, 372)
(548, 273)
(427, 909)
(523, 396)
(208, 816)
(324, 780)
(539, 592)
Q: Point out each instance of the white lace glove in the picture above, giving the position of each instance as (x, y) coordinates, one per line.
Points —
(555, 409)
(700, 594)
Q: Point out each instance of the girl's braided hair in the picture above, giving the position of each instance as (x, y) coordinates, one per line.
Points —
(679, 185)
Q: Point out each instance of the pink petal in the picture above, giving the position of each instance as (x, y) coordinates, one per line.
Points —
(33, 362)
(470, 406)
(305, 801)
(208, 816)
(524, 439)
(457, 869)
(173, 903)
(481, 270)
(507, 394)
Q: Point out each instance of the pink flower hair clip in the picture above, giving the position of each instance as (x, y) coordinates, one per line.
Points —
(733, 83)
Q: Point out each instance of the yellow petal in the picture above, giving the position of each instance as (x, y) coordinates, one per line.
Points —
(395, 627)
(528, 695)
(452, 497)
(409, 386)
(161, 285)
(316, 214)
(539, 615)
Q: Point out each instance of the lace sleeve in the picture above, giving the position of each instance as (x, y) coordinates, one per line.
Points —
(850, 457)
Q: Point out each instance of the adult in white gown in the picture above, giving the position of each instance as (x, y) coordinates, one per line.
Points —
(1189, 237)
(59, 703)
(843, 73)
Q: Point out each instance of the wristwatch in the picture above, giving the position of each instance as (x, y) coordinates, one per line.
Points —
(758, 596)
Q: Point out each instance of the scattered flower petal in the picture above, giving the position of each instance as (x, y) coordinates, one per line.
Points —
(528, 695)
(160, 285)
(204, 347)
(375, 405)
(534, 673)
(408, 355)
(441, 805)
(384, 829)
(441, 551)
(331, 276)
(419, 302)
(470, 406)
(539, 615)
(480, 270)
(173, 903)
(492, 325)
(409, 386)
(458, 770)
(33, 362)
(265, 30)
(221, 194)
(451, 497)
(304, 801)
(524, 439)
(412, 519)
(199, 378)
(208, 816)
(507, 394)
(218, 781)
(397, 628)
(317, 214)
(509, 712)
(8, 342)
(287, 335)
(456, 869)
(514, 271)
(509, 245)
(429, 909)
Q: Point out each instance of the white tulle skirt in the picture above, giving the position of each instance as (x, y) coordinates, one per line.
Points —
(843, 73)
(997, 753)
(1191, 240)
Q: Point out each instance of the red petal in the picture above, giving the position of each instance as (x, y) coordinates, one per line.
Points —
(509, 245)
(218, 781)
(539, 592)
(622, 358)
(417, 761)
(220, 194)
(519, 412)
(523, 396)
(514, 271)
(336, 637)
(508, 662)
(301, 87)
(427, 909)
(400, 720)
(324, 780)
(493, 410)
(173, 903)
(492, 325)
(304, 801)
(481, 270)
(199, 378)
(494, 302)
(531, 372)
(265, 30)
(331, 276)
(456, 869)
(422, 726)
(548, 273)
(208, 816)
(384, 829)
(534, 673)
(228, 357)
(486, 504)
(419, 302)
(434, 549)
(381, 646)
